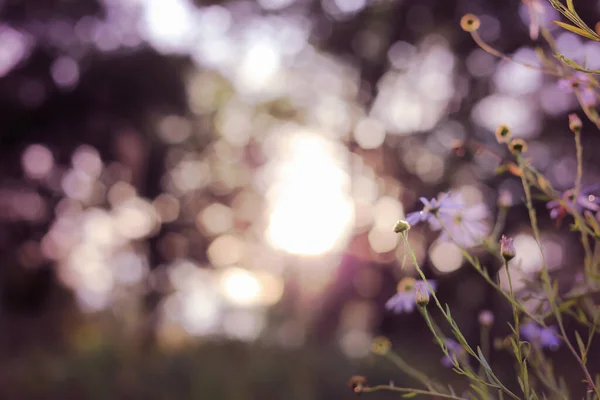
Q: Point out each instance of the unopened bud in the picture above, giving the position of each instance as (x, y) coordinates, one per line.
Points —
(470, 22)
(518, 146)
(486, 318)
(507, 248)
(574, 123)
(503, 134)
(357, 383)
(401, 226)
(422, 296)
(505, 199)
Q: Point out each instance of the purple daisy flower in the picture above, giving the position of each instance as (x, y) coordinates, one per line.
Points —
(466, 225)
(585, 201)
(454, 348)
(404, 300)
(544, 337)
(442, 206)
(581, 81)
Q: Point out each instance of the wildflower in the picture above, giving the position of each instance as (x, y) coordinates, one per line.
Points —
(486, 318)
(507, 248)
(440, 207)
(401, 226)
(470, 22)
(454, 350)
(536, 13)
(503, 134)
(357, 383)
(466, 226)
(544, 337)
(580, 81)
(422, 296)
(574, 123)
(517, 146)
(585, 201)
(405, 298)
(381, 345)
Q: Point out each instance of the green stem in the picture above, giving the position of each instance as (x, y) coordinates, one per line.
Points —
(370, 389)
(496, 384)
(546, 278)
(520, 360)
(413, 373)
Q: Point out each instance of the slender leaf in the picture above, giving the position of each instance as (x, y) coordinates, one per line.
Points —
(577, 30)
(581, 346)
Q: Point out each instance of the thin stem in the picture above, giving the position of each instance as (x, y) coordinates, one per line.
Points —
(522, 362)
(475, 263)
(370, 389)
(499, 226)
(579, 152)
(489, 49)
(591, 116)
(546, 280)
(410, 371)
(497, 384)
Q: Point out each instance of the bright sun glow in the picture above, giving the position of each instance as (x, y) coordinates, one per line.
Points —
(240, 287)
(311, 210)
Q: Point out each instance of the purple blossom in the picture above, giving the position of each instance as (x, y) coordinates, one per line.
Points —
(585, 201)
(544, 337)
(454, 349)
(444, 205)
(466, 225)
(405, 298)
(581, 81)
(537, 14)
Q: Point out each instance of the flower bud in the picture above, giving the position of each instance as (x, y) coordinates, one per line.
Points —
(401, 226)
(469, 22)
(505, 199)
(507, 249)
(574, 123)
(357, 383)
(422, 296)
(503, 134)
(518, 146)
(381, 345)
(486, 318)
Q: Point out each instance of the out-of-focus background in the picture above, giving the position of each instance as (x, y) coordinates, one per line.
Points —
(197, 197)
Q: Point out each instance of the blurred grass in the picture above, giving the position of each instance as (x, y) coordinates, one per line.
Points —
(212, 370)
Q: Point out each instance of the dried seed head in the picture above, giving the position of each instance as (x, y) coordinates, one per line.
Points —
(503, 134)
(518, 146)
(470, 22)
(401, 226)
(381, 345)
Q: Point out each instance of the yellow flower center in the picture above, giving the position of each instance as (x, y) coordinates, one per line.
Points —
(407, 284)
